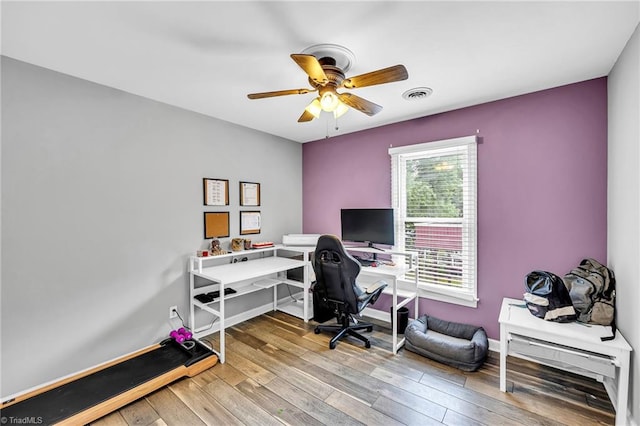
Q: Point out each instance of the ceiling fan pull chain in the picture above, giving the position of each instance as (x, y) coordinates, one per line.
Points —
(327, 127)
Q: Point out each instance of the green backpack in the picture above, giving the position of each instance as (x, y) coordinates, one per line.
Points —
(592, 287)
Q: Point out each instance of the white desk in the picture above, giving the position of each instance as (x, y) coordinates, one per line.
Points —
(392, 274)
(572, 339)
(305, 252)
(245, 277)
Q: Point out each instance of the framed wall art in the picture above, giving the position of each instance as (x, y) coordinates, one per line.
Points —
(249, 194)
(215, 192)
(216, 225)
(250, 223)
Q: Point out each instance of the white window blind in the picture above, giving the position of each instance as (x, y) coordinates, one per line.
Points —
(434, 196)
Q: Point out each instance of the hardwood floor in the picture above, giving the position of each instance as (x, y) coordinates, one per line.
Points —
(279, 372)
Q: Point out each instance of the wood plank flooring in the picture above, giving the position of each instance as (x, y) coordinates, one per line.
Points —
(279, 372)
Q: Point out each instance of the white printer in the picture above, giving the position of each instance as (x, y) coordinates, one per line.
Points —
(309, 240)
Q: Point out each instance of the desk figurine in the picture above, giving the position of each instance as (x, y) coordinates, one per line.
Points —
(216, 249)
(237, 244)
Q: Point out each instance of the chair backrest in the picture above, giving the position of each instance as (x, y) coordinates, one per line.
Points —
(336, 272)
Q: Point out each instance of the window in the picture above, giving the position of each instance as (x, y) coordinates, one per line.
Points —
(434, 197)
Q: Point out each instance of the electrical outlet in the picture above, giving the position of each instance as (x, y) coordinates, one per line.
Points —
(173, 312)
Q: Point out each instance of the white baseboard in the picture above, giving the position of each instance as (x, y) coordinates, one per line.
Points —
(494, 345)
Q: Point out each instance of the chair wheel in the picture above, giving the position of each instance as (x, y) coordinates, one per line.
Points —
(367, 344)
(370, 329)
(332, 345)
(316, 330)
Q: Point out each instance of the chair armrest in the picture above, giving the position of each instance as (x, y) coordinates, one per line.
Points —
(375, 286)
(371, 294)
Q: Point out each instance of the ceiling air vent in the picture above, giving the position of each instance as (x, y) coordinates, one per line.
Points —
(417, 93)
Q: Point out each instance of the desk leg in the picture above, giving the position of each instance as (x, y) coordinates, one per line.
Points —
(305, 294)
(503, 358)
(192, 313)
(394, 317)
(275, 298)
(623, 389)
(222, 325)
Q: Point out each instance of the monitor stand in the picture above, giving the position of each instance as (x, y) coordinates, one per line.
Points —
(375, 255)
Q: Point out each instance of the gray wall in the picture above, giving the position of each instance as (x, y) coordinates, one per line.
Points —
(101, 205)
(624, 202)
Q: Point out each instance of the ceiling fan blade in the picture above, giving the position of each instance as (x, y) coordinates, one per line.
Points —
(359, 103)
(306, 116)
(279, 93)
(312, 67)
(385, 75)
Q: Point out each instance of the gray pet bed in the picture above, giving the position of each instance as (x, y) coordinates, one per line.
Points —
(463, 346)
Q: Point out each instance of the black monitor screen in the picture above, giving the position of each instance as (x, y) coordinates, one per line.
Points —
(373, 226)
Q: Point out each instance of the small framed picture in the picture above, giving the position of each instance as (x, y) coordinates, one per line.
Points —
(216, 225)
(215, 192)
(249, 223)
(249, 194)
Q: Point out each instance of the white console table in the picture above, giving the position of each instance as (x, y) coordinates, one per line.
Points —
(577, 346)
(254, 274)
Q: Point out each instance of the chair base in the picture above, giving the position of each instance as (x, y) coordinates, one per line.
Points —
(345, 329)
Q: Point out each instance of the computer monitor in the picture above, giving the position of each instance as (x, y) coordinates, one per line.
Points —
(371, 226)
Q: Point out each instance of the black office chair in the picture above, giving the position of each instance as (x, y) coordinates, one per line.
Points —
(336, 272)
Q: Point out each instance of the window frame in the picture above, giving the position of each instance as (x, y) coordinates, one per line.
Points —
(461, 296)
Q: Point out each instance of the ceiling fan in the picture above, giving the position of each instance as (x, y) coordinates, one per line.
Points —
(326, 66)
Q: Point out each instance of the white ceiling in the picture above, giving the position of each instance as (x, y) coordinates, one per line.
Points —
(207, 56)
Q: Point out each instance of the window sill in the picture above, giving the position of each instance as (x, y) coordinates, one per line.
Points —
(444, 294)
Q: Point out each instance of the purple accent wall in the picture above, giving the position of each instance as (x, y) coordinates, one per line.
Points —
(542, 185)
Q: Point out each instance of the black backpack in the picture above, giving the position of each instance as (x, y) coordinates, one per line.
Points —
(547, 297)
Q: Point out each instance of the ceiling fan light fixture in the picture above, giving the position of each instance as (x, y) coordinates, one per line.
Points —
(329, 100)
(340, 110)
(314, 108)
